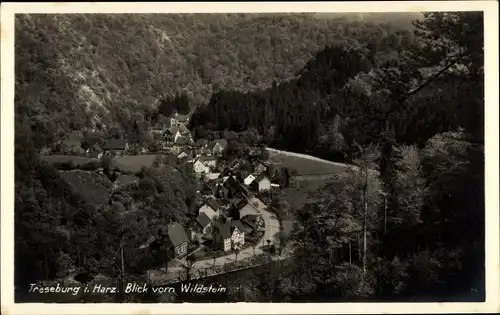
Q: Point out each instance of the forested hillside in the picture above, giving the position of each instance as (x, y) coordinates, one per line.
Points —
(75, 71)
(407, 104)
(414, 111)
(356, 90)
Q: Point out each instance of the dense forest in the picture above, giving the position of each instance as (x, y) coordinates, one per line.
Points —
(76, 70)
(357, 91)
(406, 102)
(411, 108)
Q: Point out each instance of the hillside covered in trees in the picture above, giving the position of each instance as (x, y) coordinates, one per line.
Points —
(356, 90)
(412, 109)
(407, 104)
(75, 70)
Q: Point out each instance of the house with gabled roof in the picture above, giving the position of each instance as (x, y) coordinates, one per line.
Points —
(160, 126)
(179, 239)
(235, 164)
(217, 147)
(253, 223)
(228, 235)
(180, 143)
(208, 160)
(177, 119)
(185, 153)
(237, 233)
(115, 146)
(211, 208)
(234, 187)
(261, 183)
(183, 119)
(204, 223)
(260, 167)
(249, 179)
(171, 134)
(200, 143)
(200, 168)
(221, 235)
(184, 130)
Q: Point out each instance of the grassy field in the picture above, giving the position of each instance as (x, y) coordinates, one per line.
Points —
(134, 163)
(304, 166)
(77, 160)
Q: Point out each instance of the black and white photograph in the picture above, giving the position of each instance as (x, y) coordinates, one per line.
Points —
(263, 157)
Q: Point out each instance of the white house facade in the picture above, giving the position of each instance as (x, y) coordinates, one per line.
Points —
(200, 168)
(264, 184)
(238, 237)
(249, 179)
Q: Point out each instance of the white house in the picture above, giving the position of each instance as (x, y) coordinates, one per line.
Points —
(211, 176)
(183, 154)
(237, 233)
(249, 179)
(208, 160)
(211, 208)
(200, 168)
(261, 183)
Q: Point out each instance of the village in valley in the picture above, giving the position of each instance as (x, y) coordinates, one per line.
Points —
(231, 220)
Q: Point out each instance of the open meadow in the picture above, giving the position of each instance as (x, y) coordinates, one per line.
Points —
(134, 163)
(304, 164)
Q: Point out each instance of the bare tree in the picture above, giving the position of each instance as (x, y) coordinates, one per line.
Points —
(367, 156)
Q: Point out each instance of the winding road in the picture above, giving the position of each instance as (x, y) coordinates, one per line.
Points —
(272, 227)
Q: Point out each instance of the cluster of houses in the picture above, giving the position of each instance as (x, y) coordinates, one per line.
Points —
(226, 217)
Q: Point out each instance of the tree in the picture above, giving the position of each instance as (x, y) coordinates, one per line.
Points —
(236, 252)
(188, 266)
(280, 239)
(367, 157)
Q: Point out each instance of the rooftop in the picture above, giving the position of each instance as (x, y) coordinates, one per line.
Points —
(115, 144)
(177, 234)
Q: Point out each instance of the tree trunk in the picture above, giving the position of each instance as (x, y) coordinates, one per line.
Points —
(365, 217)
(350, 253)
(385, 215)
(359, 247)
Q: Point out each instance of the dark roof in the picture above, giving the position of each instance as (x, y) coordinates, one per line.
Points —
(182, 118)
(96, 147)
(239, 201)
(213, 204)
(182, 140)
(261, 163)
(222, 229)
(237, 223)
(177, 234)
(250, 219)
(222, 142)
(172, 130)
(206, 158)
(225, 172)
(184, 129)
(203, 219)
(164, 121)
(201, 142)
(115, 144)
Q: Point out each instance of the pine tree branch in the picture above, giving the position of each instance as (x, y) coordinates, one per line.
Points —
(433, 77)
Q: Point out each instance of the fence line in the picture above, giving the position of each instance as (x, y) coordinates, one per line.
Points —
(215, 271)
